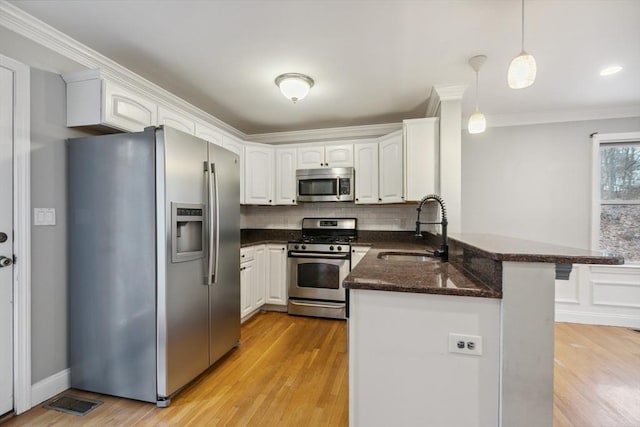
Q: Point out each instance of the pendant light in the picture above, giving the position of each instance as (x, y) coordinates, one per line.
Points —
(294, 86)
(477, 122)
(522, 71)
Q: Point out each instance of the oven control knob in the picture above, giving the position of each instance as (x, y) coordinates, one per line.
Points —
(339, 248)
(296, 247)
(331, 247)
(304, 247)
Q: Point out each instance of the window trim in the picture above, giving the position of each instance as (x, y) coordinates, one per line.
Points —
(598, 140)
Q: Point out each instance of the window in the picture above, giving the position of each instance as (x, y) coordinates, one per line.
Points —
(618, 194)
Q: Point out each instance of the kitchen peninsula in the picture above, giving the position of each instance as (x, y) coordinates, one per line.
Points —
(411, 323)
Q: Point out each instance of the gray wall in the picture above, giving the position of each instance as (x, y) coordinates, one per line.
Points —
(48, 250)
(533, 182)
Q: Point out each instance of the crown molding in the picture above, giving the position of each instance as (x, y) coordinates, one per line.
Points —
(559, 116)
(20, 22)
(319, 135)
(441, 93)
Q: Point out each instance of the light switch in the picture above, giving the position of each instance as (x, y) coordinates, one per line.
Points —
(44, 216)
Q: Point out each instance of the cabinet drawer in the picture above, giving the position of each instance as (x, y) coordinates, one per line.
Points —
(247, 254)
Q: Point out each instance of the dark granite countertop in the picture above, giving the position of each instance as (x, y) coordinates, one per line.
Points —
(502, 248)
(431, 277)
(474, 267)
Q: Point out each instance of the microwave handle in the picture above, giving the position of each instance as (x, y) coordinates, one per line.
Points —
(338, 187)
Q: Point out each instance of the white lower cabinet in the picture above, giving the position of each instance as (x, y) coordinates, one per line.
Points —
(263, 277)
(357, 253)
(277, 274)
(252, 283)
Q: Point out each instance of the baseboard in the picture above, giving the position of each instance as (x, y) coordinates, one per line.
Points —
(604, 319)
(50, 386)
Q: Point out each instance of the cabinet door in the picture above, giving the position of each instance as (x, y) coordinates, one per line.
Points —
(285, 176)
(339, 156)
(127, 110)
(310, 157)
(366, 166)
(258, 175)
(247, 277)
(391, 169)
(209, 133)
(357, 253)
(421, 158)
(276, 277)
(259, 287)
(175, 120)
(237, 147)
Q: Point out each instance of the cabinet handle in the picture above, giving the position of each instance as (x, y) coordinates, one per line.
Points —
(242, 256)
(269, 200)
(379, 199)
(356, 199)
(293, 200)
(321, 164)
(283, 249)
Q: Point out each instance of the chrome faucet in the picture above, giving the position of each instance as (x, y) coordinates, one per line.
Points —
(443, 252)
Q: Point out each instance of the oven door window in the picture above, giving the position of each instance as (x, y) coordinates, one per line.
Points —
(319, 275)
(318, 187)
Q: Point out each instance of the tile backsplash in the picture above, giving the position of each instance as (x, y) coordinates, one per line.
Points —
(370, 217)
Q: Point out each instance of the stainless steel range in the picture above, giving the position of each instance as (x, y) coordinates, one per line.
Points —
(318, 263)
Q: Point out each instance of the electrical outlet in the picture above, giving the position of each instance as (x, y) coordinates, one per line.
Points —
(465, 344)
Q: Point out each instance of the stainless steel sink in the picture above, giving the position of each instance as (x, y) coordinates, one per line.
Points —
(407, 256)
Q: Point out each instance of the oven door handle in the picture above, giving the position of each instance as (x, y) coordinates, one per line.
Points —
(293, 254)
(304, 304)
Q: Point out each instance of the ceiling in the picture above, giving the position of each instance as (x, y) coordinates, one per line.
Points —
(372, 61)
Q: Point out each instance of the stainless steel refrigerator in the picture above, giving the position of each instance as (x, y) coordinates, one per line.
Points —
(154, 274)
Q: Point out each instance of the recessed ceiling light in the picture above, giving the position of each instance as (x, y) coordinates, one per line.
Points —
(611, 70)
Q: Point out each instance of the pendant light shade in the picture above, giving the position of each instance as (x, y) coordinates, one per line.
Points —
(477, 123)
(294, 86)
(522, 71)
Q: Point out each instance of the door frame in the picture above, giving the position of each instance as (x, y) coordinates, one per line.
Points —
(22, 235)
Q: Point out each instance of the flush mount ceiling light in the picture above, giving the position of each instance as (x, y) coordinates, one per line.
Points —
(294, 86)
(522, 71)
(611, 70)
(477, 122)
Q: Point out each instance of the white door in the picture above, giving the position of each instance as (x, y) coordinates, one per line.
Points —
(6, 240)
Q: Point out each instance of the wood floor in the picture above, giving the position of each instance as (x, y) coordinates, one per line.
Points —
(292, 371)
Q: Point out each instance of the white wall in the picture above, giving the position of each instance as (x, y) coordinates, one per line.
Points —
(533, 182)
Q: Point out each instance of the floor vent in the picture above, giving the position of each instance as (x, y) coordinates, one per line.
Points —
(72, 405)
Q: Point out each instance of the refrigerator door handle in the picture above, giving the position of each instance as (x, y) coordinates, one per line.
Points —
(214, 225)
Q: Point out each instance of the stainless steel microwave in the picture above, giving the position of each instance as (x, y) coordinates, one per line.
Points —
(325, 185)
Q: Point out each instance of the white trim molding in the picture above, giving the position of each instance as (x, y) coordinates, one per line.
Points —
(22, 233)
(50, 386)
(320, 135)
(561, 116)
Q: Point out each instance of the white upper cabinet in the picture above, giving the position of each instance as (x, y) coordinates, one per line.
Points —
(421, 158)
(92, 100)
(208, 133)
(285, 175)
(391, 177)
(338, 156)
(321, 156)
(379, 170)
(171, 118)
(366, 167)
(237, 147)
(258, 175)
(310, 157)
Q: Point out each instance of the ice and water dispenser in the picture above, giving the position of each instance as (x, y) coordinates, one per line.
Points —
(187, 231)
